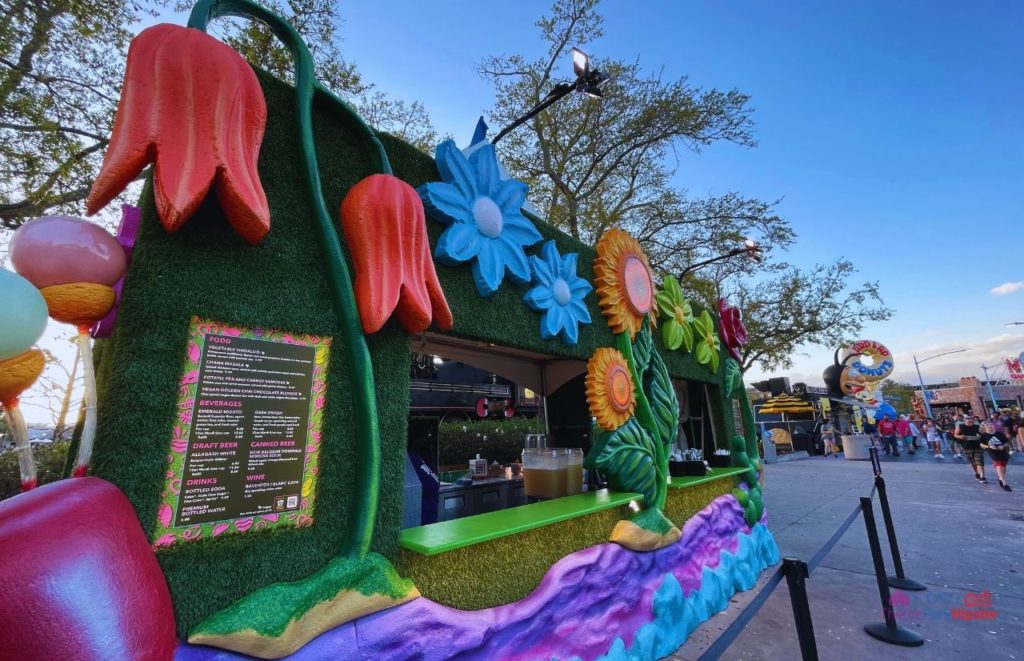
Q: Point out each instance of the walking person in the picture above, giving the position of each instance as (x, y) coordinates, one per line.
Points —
(887, 430)
(828, 439)
(931, 435)
(998, 446)
(957, 421)
(903, 440)
(969, 436)
(914, 433)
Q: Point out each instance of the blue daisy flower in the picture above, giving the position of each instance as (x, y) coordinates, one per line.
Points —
(483, 213)
(558, 294)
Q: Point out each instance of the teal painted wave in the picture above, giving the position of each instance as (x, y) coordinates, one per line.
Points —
(676, 615)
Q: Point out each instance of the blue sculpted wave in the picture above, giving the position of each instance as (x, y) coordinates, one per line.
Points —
(676, 615)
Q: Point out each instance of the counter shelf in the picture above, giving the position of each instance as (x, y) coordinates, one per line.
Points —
(438, 538)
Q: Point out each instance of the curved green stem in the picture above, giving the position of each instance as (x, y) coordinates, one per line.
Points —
(646, 417)
(359, 534)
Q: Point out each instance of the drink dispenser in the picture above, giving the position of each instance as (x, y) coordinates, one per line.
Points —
(544, 472)
(574, 471)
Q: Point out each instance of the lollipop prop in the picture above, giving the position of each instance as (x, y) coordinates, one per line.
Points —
(74, 263)
(20, 365)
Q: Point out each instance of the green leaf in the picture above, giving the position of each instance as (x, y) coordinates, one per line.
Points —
(664, 404)
(626, 456)
(665, 303)
(733, 378)
(642, 348)
(714, 361)
(687, 337)
(703, 353)
(672, 333)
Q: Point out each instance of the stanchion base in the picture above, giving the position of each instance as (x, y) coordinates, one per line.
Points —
(904, 583)
(896, 635)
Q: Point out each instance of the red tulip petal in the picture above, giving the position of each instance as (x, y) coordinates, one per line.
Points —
(385, 228)
(240, 120)
(130, 141)
(375, 255)
(192, 106)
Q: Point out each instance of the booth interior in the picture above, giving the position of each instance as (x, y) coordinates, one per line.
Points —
(493, 427)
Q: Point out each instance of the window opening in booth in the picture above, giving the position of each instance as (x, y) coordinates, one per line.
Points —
(737, 417)
(508, 427)
(697, 422)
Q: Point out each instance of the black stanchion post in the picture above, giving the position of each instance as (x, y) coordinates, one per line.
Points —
(876, 463)
(889, 631)
(796, 573)
(900, 580)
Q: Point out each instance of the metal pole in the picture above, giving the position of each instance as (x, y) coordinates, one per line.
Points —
(876, 463)
(988, 382)
(889, 631)
(559, 91)
(899, 580)
(924, 393)
(796, 572)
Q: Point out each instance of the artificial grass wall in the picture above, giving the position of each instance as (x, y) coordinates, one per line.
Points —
(507, 569)
(206, 269)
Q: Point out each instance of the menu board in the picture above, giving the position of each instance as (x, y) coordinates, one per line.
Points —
(247, 433)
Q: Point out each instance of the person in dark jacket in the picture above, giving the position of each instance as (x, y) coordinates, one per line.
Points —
(969, 436)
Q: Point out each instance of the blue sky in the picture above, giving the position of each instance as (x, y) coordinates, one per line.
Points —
(891, 130)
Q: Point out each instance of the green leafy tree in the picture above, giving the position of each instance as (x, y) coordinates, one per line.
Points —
(61, 67)
(899, 394)
(794, 308)
(595, 164)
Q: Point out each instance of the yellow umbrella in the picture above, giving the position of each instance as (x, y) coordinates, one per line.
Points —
(786, 404)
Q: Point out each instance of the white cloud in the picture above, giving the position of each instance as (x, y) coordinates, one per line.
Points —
(990, 351)
(1007, 288)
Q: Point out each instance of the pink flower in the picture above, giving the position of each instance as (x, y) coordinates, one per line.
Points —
(733, 332)
(166, 540)
(164, 515)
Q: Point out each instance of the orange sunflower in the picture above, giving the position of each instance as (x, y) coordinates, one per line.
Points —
(609, 388)
(623, 282)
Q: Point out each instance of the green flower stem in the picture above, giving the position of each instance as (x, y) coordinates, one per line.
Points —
(359, 368)
(747, 415)
(646, 417)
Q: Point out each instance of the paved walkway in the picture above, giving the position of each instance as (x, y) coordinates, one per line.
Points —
(957, 536)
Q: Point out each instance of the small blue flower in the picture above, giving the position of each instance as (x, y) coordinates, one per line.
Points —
(483, 214)
(558, 294)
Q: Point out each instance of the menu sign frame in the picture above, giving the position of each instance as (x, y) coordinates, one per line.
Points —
(245, 446)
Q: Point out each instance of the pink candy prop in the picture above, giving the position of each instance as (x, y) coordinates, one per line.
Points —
(58, 250)
(73, 262)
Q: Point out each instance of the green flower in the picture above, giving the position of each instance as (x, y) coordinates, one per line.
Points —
(673, 305)
(707, 341)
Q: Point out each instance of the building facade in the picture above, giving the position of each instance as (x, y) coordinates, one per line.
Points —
(972, 395)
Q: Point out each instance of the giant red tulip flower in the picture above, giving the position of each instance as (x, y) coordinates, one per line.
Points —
(386, 232)
(193, 107)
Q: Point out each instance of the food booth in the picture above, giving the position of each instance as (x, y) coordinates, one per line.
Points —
(250, 450)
